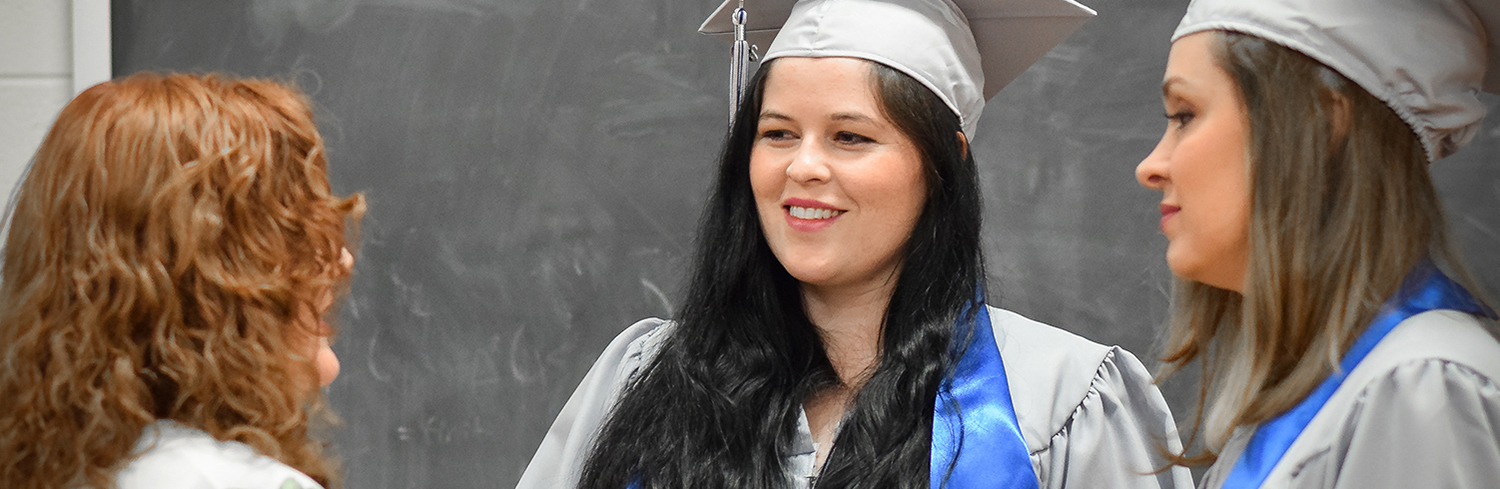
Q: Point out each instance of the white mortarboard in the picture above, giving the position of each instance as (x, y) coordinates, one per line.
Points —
(1427, 59)
(963, 50)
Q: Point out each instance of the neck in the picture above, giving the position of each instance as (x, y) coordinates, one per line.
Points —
(849, 320)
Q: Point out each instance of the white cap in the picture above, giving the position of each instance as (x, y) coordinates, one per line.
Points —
(1427, 59)
(963, 50)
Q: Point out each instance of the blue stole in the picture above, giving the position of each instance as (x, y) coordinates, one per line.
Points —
(978, 417)
(1424, 289)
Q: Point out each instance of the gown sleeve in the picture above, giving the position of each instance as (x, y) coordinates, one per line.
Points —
(1429, 423)
(564, 450)
(1115, 436)
(1421, 410)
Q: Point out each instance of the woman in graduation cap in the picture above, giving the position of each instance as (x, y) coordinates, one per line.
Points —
(836, 331)
(1342, 342)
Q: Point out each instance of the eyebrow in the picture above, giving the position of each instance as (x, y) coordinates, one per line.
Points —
(837, 116)
(852, 117)
(774, 115)
(1166, 85)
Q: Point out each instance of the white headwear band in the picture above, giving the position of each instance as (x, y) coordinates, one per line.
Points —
(963, 50)
(1427, 59)
(934, 44)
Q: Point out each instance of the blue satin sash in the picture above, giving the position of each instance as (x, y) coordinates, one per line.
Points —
(1424, 289)
(977, 422)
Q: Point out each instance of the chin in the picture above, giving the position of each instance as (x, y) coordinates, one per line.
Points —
(807, 278)
(1197, 275)
(808, 271)
(1189, 270)
(813, 276)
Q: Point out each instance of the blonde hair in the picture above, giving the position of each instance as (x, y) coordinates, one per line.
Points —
(1342, 208)
(168, 234)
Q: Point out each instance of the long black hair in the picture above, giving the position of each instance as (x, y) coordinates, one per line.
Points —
(718, 406)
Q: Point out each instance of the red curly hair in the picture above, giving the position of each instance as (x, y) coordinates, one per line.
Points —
(168, 236)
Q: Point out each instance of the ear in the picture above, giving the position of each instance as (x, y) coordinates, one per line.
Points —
(1339, 113)
(963, 142)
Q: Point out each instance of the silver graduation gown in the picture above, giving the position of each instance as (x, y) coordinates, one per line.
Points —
(1422, 410)
(1089, 413)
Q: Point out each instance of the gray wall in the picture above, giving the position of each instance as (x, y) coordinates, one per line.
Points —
(36, 77)
(535, 168)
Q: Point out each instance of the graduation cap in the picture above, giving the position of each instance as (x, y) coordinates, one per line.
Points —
(963, 50)
(1426, 59)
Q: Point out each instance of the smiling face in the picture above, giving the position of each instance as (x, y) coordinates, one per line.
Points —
(837, 185)
(1201, 167)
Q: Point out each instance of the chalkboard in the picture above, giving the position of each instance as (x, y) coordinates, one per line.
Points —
(535, 169)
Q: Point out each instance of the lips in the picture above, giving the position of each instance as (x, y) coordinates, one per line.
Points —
(812, 213)
(809, 215)
(1167, 211)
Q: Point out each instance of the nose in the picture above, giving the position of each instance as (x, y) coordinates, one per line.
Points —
(809, 164)
(1152, 171)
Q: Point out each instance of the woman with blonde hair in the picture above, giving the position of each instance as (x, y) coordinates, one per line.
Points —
(1342, 342)
(171, 253)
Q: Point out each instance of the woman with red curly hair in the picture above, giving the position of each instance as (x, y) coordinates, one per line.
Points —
(171, 253)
